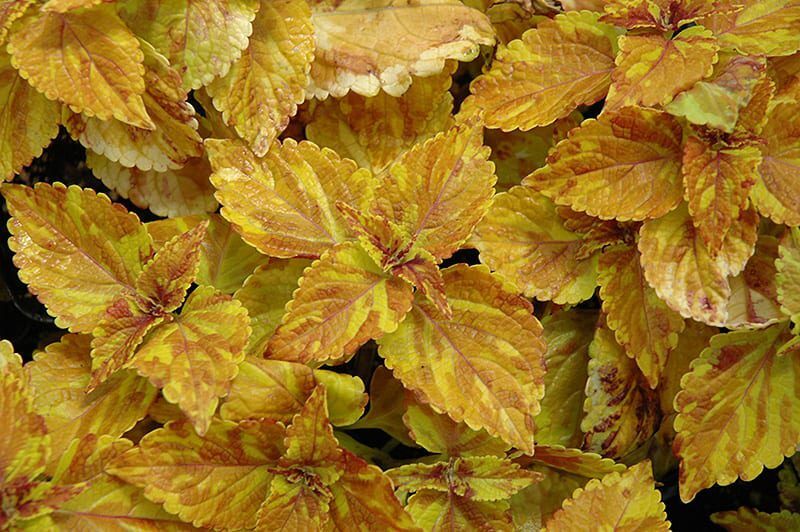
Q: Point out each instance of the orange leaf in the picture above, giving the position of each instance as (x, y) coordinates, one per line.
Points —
(624, 165)
(310, 443)
(762, 28)
(439, 512)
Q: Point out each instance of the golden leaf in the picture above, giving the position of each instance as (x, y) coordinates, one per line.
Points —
(561, 64)
(292, 506)
(439, 512)
(624, 165)
(284, 204)
(76, 58)
(621, 410)
(260, 93)
(201, 39)
(749, 520)
(192, 478)
(691, 342)
(11, 10)
(763, 27)
(788, 275)
(523, 238)
(180, 192)
(683, 273)
(387, 408)
(344, 299)
(620, 501)
(732, 410)
(375, 131)
(645, 327)
(194, 356)
(483, 366)
(440, 189)
(754, 292)
(28, 120)
(75, 249)
(652, 69)
(369, 45)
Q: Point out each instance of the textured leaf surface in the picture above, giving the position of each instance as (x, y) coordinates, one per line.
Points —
(483, 366)
(624, 165)
(77, 58)
(545, 75)
(754, 292)
(59, 376)
(217, 480)
(262, 89)
(28, 120)
(284, 204)
(344, 299)
(643, 324)
(691, 342)
(375, 131)
(75, 249)
(369, 45)
(11, 10)
(684, 274)
(180, 192)
(621, 411)
(733, 410)
(747, 520)
(438, 512)
(195, 356)
(440, 189)
(201, 38)
(788, 275)
(651, 69)
(621, 501)
(763, 27)
(522, 238)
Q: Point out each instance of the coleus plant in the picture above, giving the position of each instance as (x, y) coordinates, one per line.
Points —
(191, 389)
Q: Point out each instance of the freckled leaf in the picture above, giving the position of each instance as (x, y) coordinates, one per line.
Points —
(261, 91)
(624, 165)
(523, 239)
(483, 366)
(344, 299)
(194, 356)
(561, 64)
(75, 249)
(369, 45)
(78, 57)
(284, 204)
(200, 38)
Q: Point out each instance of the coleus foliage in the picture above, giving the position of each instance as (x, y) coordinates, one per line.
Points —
(190, 389)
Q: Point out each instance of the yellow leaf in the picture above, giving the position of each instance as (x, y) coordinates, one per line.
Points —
(788, 275)
(691, 342)
(423, 272)
(652, 69)
(75, 249)
(77, 58)
(105, 499)
(683, 273)
(621, 410)
(369, 45)
(265, 294)
(438, 433)
(192, 478)
(754, 292)
(732, 410)
(624, 165)
(763, 27)
(645, 327)
(661, 15)
(225, 260)
(59, 376)
(276, 389)
(344, 299)
(387, 406)
(9, 360)
(28, 120)
(776, 193)
(561, 64)
(440, 189)
(194, 356)
(63, 6)
(292, 506)
(717, 180)
(284, 204)
(484, 366)
(523, 239)
(174, 139)
(200, 38)
(716, 102)
(375, 131)
(438, 512)
(11, 10)
(749, 520)
(567, 335)
(620, 501)
(186, 190)
(260, 93)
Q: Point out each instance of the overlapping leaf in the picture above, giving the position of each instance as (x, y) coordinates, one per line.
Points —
(788, 275)
(761, 28)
